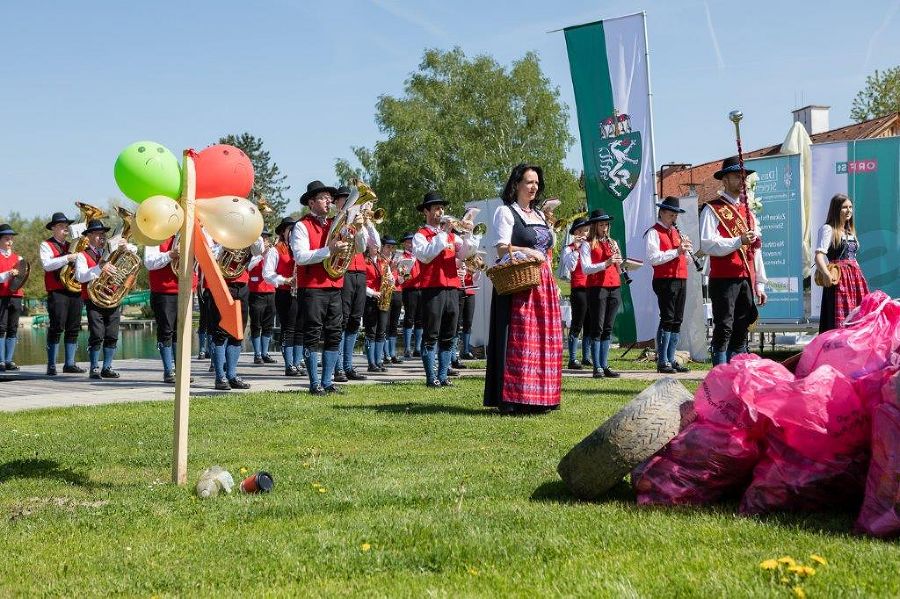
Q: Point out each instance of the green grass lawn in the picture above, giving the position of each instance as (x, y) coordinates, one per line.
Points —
(393, 490)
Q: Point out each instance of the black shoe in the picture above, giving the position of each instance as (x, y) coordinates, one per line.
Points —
(11, 366)
(203, 356)
(257, 360)
(238, 383)
(417, 354)
(666, 369)
(211, 368)
(267, 359)
(333, 390)
(340, 376)
(291, 371)
(612, 374)
(433, 384)
(587, 363)
(169, 378)
(301, 370)
(459, 365)
(396, 360)
(109, 373)
(73, 369)
(407, 356)
(373, 369)
(317, 390)
(599, 374)
(574, 365)
(95, 373)
(447, 383)
(467, 355)
(51, 369)
(222, 385)
(451, 372)
(352, 375)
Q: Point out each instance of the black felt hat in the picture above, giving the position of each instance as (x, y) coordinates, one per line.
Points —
(671, 203)
(731, 165)
(598, 216)
(313, 188)
(408, 237)
(578, 222)
(342, 192)
(58, 217)
(432, 198)
(6, 230)
(286, 222)
(388, 241)
(95, 225)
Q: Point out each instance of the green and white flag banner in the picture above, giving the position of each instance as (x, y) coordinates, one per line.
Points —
(608, 62)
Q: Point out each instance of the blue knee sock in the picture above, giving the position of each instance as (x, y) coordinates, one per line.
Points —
(69, 349)
(312, 367)
(94, 356)
(52, 350)
(202, 341)
(407, 342)
(719, 357)
(165, 352)
(10, 348)
(218, 360)
(428, 363)
(264, 342)
(379, 352)
(288, 352)
(3, 351)
(232, 355)
(370, 352)
(467, 343)
(349, 344)
(595, 353)
(108, 353)
(418, 333)
(573, 348)
(298, 355)
(330, 359)
(662, 348)
(257, 347)
(673, 345)
(454, 346)
(604, 353)
(587, 347)
(443, 364)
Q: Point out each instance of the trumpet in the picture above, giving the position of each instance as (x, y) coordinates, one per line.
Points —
(464, 225)
(370, 216)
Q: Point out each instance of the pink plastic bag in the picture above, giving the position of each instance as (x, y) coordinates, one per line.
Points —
(870, 335)
(816, 445)
(715, 455)
(880, 513)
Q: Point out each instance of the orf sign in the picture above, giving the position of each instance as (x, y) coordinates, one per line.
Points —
(855, 167)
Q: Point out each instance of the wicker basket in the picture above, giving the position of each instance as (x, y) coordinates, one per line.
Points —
(515, 276)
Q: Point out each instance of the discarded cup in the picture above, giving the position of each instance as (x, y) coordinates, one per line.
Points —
(258, 482)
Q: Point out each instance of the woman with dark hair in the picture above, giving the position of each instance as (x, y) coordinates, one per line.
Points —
(524, 351)
(838, 245)
(600, 260)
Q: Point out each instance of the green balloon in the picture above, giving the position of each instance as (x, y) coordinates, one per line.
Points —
(146, 169)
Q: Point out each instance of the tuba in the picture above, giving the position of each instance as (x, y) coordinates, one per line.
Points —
(109, 289)
(67, 272)
(342, 228)
(233, 263)
(476, 262)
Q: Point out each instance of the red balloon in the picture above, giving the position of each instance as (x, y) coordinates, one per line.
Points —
(223, 170)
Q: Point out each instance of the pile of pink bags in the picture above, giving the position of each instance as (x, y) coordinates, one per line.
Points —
(826, 436)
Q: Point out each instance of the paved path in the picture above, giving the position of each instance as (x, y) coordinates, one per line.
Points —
(30, 388)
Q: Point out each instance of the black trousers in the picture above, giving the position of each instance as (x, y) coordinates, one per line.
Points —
(203, 323)
(375, 321)
(603, 303)
(578, 299)
(670, 295)
(466, 311)
(353, 299)
(393, 323)
(262, 314)
(10, 311)
(290, 317)
(440, 310)
(103, 325)
(165, 312)
(733, 312)
(412, 309)
(322, 318)
(64, 310)
(238, 291)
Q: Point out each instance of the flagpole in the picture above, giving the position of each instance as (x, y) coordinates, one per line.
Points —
(650, 103)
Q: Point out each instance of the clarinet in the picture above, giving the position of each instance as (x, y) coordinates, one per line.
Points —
(697, 264)
(626, 278)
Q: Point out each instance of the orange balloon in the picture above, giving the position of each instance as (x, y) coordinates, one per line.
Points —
(223, 170)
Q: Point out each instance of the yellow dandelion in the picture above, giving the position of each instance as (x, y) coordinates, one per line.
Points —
(315, 485)
(769, 564)
(799, 592)
(244, 470)
(809, 571)
(323, 490)
(473, 571)
(787, 560)
(365, 547)
(818, 558)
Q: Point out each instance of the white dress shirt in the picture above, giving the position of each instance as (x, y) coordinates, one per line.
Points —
(5, 276)
(712, 243)
(48, 262)
(303, 255)
(655, 256)
(425, 251)
(83, 274)
(155, 259)
(270, 263)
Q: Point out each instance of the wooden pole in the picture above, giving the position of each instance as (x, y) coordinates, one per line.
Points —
(185, 322)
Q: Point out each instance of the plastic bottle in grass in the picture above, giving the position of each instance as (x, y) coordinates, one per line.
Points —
(213, 481)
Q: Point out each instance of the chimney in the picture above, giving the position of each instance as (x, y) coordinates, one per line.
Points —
(814, 118)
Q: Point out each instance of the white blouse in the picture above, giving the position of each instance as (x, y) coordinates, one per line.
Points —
(826, 234)
(504, 220)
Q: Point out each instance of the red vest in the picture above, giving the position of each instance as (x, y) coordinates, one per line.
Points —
(257, 283)
(669, 239)
(9, 263)
(731, 266)
(358, 262)
(313, 276)
(440, 272)
(51, 277)
(600, 252)
(412, 282)
(285, 265)
(373, 274)
(578, 278)
(91, 263)
(163, 280)
(469, 284)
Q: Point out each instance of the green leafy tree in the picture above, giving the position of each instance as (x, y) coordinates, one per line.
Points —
(459, 128)
(881, 96)
(268, 181)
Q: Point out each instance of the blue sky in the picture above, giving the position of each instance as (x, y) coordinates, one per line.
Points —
(81, 80)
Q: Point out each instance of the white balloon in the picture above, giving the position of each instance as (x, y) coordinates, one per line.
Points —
(234, 222)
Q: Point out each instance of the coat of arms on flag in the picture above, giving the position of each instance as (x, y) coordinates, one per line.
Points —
(617, 155)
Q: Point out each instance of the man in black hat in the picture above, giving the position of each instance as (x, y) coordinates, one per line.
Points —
(10, 299)
(322, 306)
(667, 252)
(63, 306)
(103, 323)
(280, 270)
(436, 248)
(730, 235)
(262, 306)
(570, 265)
(353, 293)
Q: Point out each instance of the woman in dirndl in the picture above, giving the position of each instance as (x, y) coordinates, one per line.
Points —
(524, 350)
(838, 245)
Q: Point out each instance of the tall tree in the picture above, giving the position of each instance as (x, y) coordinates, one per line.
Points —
(459, 128)
(879, 97)
(268, 181)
